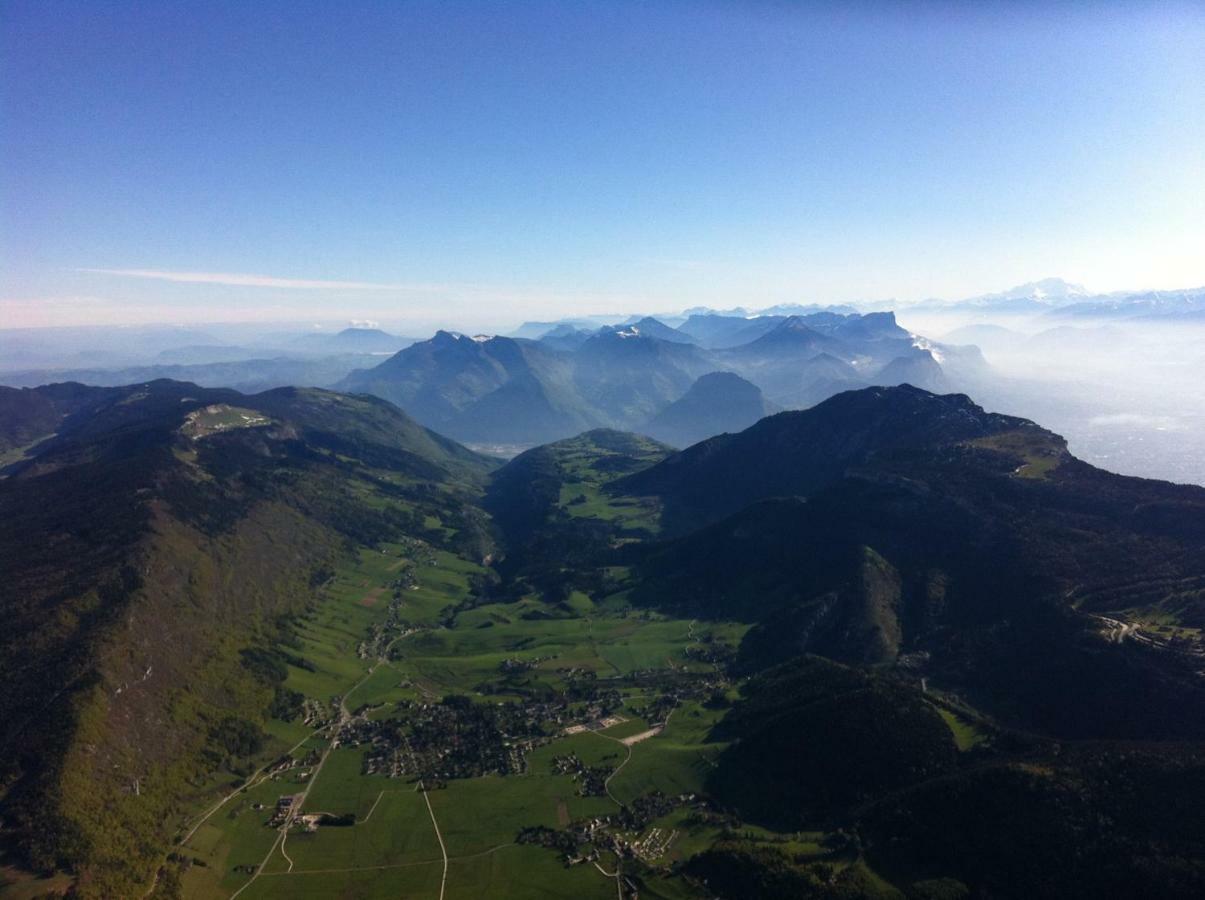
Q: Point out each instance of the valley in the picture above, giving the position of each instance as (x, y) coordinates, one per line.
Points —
(570, 674)
(341, 655)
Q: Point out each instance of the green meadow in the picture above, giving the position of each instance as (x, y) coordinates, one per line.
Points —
(392, 848)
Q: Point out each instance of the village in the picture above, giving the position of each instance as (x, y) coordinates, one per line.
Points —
(625, 833)
(431, 740)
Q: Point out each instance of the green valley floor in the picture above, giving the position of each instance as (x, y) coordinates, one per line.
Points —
(384, 787)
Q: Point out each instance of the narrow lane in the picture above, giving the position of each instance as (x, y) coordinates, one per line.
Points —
(442, 849)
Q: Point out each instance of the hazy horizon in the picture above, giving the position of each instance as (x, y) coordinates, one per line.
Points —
(488, 163)
(424, 320)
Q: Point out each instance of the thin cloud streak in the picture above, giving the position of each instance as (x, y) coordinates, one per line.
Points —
(238, 279)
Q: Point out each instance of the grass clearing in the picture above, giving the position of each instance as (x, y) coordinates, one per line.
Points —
(967, 736)
(527, 872)
(477, 814)
(676, 761)
(1040, 453)
(397, 832)
(340, 788)
(236, 835)
(409, 880)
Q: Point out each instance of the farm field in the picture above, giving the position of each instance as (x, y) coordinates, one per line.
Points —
(390, 640)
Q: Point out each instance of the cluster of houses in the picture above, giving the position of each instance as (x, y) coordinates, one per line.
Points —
(285, 808)
(459, 738)
(591, 780)
(453, 738)
(653, 845)
(622, 833)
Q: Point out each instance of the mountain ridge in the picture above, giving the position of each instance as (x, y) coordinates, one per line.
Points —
(519, 391)
(157, 538)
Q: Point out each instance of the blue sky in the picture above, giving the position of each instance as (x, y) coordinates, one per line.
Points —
(482, 162)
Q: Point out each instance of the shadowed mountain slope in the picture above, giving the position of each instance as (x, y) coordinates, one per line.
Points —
(27, 414)
(718, 402)
(146, 546)
(628, 376)
(495, 389)
(794, 453)
(515, 391)
(559, 523)
(891, 521)
(718, 331)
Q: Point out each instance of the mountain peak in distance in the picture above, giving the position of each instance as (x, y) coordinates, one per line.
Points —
(716, 403)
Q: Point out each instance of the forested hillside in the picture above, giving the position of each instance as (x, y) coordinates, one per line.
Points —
(151, 551)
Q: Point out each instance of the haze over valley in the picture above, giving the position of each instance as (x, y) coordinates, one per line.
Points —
(1117, 374)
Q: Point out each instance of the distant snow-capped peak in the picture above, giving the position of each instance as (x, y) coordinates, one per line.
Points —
(1051, 291)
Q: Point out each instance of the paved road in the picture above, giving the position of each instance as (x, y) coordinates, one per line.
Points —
(442, 849)
(344, 717)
